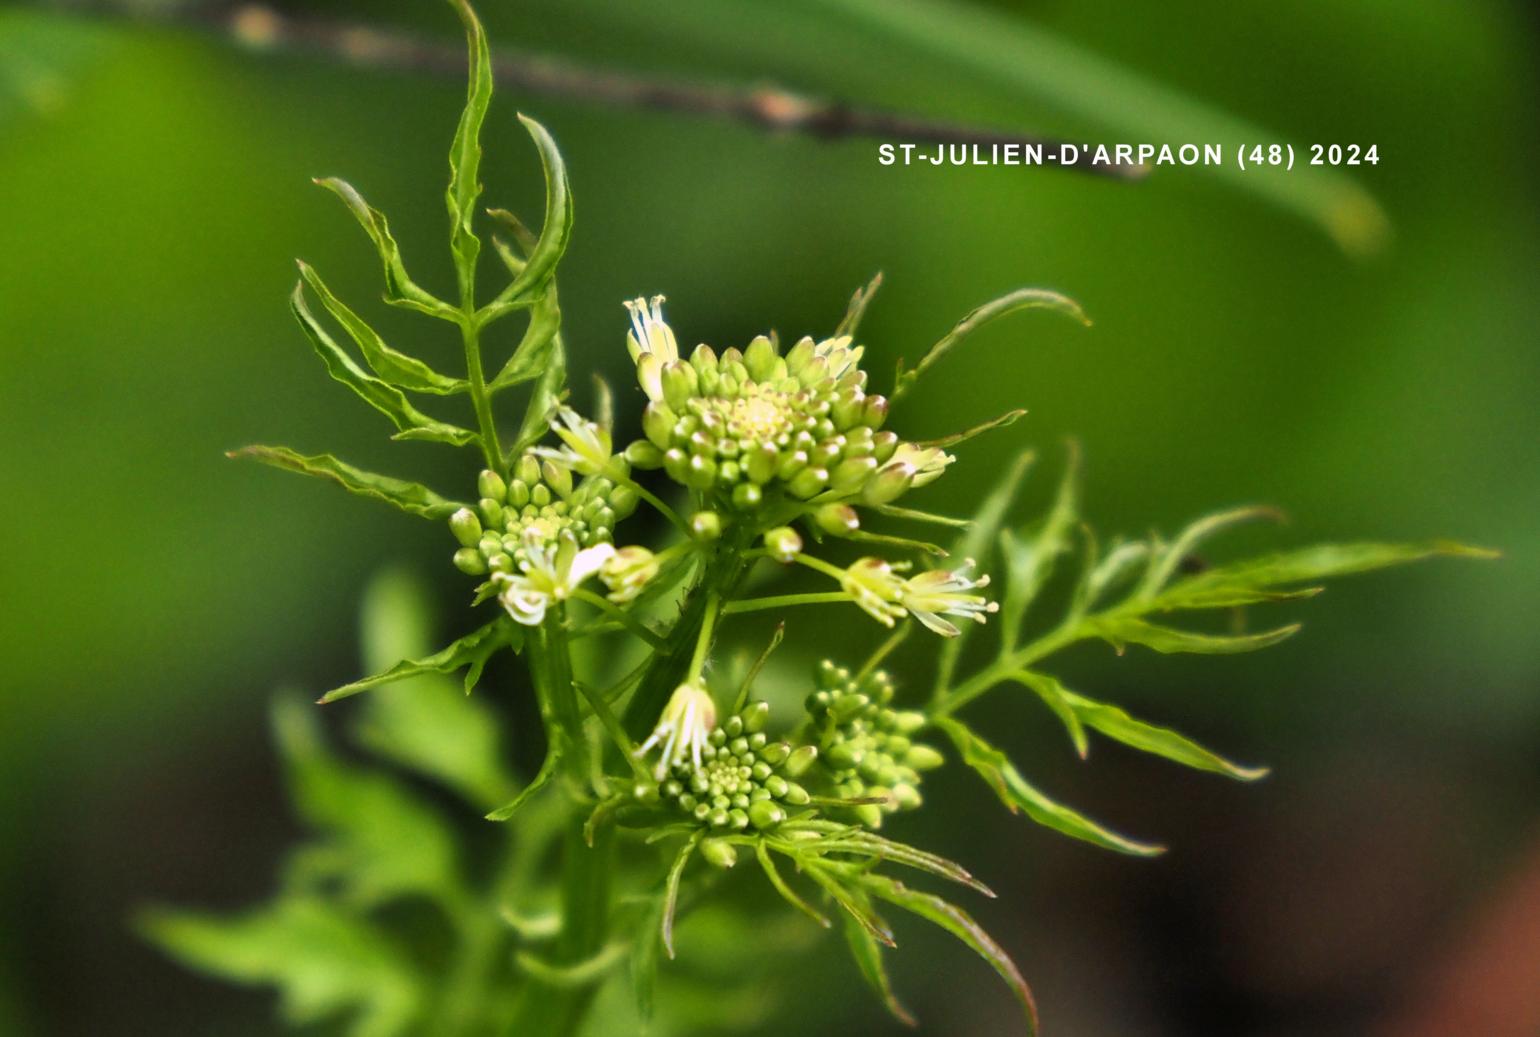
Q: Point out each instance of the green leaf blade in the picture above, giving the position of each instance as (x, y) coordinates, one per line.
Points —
(472, 650)
(410, 497)
(1116, 724)
(1014, 791)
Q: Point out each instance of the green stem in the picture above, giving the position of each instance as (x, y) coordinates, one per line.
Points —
(785, 600)
(470, 334)
(670, 664)
(620, 616)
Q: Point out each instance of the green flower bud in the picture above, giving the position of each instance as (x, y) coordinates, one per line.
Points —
(837, 519)
(527, 469)
(469, 561)
(491, 512)
(851, 474)
(490, 484)
(679, 384)
(923, 758)
(746, 496)
(889, 483)
(557, 477)
(719, 853)
(466, 527)
(705, 525)
(765, 814)
(808, 482)
(644, 455)
(800, 760)
(783, 543)
(760, 358)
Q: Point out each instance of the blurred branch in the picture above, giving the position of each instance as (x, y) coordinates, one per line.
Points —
(767, 107)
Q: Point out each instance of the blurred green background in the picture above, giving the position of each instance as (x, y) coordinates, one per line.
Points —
(154, 189)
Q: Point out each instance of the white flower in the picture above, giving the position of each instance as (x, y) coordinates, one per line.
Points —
(839, 353)
(548, 574)
(872, 584)
(932, 595)
(588, 444)
(683, 729)
(627, 572)
(928, 462)
(652, 344)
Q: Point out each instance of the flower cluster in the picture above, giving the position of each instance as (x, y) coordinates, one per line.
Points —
(733, 777)
(753, 430)
(866, 745)
(541, 535)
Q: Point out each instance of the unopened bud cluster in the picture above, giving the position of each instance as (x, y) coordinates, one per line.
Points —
(541, 503)
(866, 745)
(743, 780)
(752, 427)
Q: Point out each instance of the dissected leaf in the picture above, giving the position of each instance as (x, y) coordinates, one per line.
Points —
(671, 892)
(400, 290)
(1010, 417)
(1057, 698)
(1302, 566)
(975, 543)
(961, 925)
(322, 959)
(386, 842)
(1167, 562)
(465, 152)
(851, 322)
(380, 395)
(542, 778)
(426, 722)
(534, 350)
(395, 367)
(1124, 630)
(1021, 299)
(767, 864)
(856, 906)
(881, 848)
(540, 264)
(1118, 725)
(473, 650)
(1001, 775)
(644, 957)
(410, 497)
(868, 958)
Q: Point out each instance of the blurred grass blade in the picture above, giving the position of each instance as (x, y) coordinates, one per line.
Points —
(410, 497)
(1001, 775)
(1032, 65)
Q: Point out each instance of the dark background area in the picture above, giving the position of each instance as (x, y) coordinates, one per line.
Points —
(154, 189)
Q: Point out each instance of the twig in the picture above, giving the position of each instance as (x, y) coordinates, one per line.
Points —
(767, 107)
